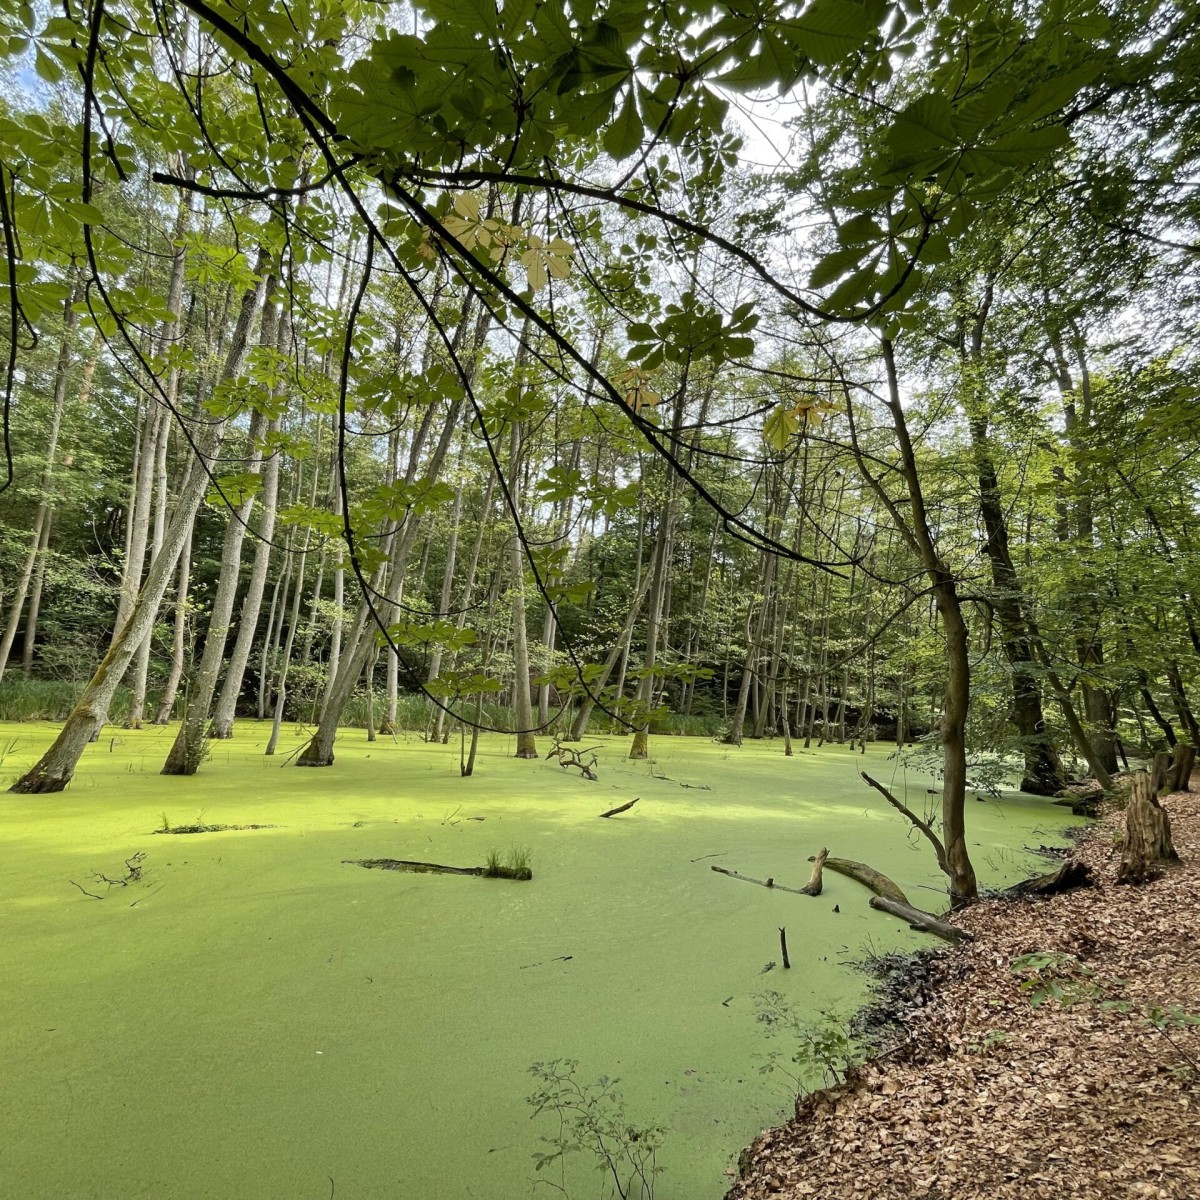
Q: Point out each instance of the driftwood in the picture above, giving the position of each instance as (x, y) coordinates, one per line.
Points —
(783, 947)
(1147, 840)
(612, 812)
(870, 878)
(1072, 874)
(568, 756)
(428, 868)
(919, 919)
(767, 883)
(814, 884)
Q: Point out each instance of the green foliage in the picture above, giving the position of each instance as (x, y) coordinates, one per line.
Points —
(825, 1049)
(591, 1119)
(1054, 975)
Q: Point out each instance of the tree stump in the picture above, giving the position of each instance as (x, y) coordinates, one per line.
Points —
(1147, 840)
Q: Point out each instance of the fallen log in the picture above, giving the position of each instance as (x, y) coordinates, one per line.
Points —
(1072, 874)
(919, 919)
(612, 812)
(870, 878)
(815, 883)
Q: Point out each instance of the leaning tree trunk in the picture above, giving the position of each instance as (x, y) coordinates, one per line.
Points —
(595, 686)
(140, 671)
(917, 531)
(187, 751)
(231, 686)
(55, 769)
(373, 611)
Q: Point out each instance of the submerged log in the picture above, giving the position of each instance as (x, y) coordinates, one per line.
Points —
(767, 883)
(1072, 874)
(1147, 840)
(815, 882)
(870, 878)
(428, 868)
(919, 919)
(612, 812)
(1082, 804)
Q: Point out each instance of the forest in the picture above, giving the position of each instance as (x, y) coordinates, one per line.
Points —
(515, 403)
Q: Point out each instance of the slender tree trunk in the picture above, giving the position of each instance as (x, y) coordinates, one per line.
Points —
(319, 751)
(522, 700)
(185, 755)
(55, 769)
(41, 520)
(166, 702)
(286, 657)
(1043, 774)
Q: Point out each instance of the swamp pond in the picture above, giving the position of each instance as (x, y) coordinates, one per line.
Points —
(253, 1018)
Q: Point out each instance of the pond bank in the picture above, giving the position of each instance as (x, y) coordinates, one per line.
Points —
(991, 1089)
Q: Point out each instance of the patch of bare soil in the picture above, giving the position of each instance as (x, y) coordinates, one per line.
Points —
(988, 1095)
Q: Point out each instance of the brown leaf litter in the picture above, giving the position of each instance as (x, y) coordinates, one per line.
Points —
(987, 1096)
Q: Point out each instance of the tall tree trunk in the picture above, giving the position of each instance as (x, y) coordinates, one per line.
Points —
(583, 714)
(186, 753)
(1043, 774)
(388, 578)
(166, 702)
(55, 769)
(231, 687)
(522, 700)
(41, 518)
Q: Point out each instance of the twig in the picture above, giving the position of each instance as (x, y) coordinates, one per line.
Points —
(85, 891)
(135, 903)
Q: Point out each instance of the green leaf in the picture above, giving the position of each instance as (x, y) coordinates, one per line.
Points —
(830, 30)
(835, 264)
(782, 424)
(1025, 148)
(624, 135)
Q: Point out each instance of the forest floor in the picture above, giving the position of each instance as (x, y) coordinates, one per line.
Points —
(990, 1089)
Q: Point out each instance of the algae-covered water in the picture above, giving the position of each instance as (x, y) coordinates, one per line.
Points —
(255, 1020)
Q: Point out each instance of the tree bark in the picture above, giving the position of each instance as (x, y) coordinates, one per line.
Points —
(55, 769)
(1147, 841)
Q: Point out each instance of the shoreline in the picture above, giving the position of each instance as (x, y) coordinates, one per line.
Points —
(994, 1089)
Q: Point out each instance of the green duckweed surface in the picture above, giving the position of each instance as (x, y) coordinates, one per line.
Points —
(255, 1019)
